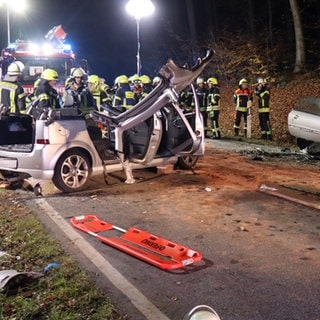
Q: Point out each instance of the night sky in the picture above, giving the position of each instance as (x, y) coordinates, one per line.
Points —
(105, 34)
(101, 31)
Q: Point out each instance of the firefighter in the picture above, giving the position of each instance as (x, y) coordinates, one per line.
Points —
(45, 92)
(124, 98)
(263, 93)
(12, 95)
(106, 88)
(75, 86)
(146, 86)
(202, 92)
(243, 100)
(98, 93)
(32, 96)
(136, 86)
(213, 107)
(185, 100)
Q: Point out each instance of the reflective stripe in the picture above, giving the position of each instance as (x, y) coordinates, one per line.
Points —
(43, 96)
(242, 109)
(213, 108)
(11, 87)
(264, 109)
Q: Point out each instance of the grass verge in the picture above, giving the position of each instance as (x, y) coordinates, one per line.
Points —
(64, 292)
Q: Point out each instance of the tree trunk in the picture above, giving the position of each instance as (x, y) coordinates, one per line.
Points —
(251, 19)
(300, 49)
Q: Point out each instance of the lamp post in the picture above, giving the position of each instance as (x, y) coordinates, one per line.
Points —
(18, 6)
(139, 9)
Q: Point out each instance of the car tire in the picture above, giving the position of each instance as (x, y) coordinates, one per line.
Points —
(187, 162)
(72, 171)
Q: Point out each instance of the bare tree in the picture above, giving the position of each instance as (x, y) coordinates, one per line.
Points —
(300, 48)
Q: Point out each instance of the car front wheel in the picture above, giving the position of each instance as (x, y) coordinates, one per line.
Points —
(187, 162)
(72, 171)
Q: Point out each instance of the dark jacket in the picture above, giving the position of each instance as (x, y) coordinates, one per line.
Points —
(48, 96)
(12, 95)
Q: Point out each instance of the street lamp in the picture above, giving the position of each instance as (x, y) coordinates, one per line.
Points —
(17, 5)
(139, 9)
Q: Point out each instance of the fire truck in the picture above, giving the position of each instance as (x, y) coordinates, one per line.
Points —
(53, 53)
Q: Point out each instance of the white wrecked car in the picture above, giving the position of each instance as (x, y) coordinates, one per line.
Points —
(64, 147)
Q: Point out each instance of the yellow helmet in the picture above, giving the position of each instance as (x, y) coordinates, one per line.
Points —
(121, 79)
(49, 74)
(200, 80)
(94, 79)
(134, 78)
(145, 79)
(242, 81)
(213, 80)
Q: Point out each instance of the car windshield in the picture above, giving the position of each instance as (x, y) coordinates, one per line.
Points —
(34, 68)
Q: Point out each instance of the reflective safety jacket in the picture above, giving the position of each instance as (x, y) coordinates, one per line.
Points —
(48, 96)
(241, 98)
(213, 99)
(12, 95)
(77, 91)
(202, 98)
(263, 94)
(124, 97)
(185, 100)
(100, 98)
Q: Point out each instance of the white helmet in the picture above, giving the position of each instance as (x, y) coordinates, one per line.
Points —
(77, 72)
(156, 80)
(15, 68)
(200, 80)
(202, 312)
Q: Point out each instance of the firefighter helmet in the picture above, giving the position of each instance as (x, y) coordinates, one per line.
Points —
(145, 79)
(200, 80)
(15, 68)
(156, 80)
(242, 81)
(94, 79)
(213, 81)
(49, 74)
(77, 72)
(261, 81)
(135, 78)
(122, 79)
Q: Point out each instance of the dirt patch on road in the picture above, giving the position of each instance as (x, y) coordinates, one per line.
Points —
(261, 253)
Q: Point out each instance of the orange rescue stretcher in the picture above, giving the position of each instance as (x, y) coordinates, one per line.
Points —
(143, 245)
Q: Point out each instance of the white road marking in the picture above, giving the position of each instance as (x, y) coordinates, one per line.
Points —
(145, 306)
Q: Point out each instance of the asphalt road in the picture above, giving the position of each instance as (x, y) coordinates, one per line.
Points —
(261, 254)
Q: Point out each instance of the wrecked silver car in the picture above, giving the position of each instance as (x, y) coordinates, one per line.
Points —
(65, 147)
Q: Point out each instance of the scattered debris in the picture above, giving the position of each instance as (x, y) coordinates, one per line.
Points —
(12, 278)
(50, 266)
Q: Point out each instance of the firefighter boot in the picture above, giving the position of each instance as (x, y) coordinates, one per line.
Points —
(264, 136)
(236, 131)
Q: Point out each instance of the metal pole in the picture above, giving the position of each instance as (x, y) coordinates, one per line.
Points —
(8, 22)
(138, 48)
